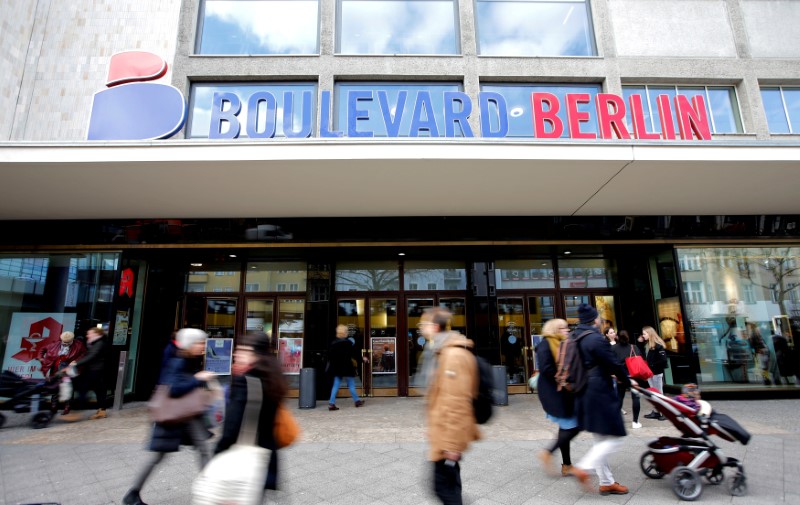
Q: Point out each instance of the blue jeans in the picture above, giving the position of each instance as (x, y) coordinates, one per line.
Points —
(351, 385)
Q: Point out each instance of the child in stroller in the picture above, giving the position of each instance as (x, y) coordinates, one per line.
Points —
(694, 455)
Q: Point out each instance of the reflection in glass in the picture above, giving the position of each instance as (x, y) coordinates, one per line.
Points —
(397, 27)
(586, 273)
(350, 312)
(540, 310)
(260, 318)
(416, 342)
(259, 27)
(275, 276)
(400, 102)
(605, 309)
(221, 317)
(220, 278)
(722, 107)
(518, 101)
(511, 323)
(777, 120)
(458, 308)
(201, 103)
(383, 342)
(524, 274)
(571, 303)
(367, 276)
(434, 275)
(746, 337)
(534, 28)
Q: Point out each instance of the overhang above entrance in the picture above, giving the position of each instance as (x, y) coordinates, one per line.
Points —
(343, 178)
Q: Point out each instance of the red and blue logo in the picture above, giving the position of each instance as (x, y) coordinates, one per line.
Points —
(132, 109)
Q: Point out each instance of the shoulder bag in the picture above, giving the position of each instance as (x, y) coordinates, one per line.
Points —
(286, 429)
(637, 366)
(237, 475)
(167, 410)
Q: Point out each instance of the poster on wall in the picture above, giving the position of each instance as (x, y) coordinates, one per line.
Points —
(670, 321)
(383, 355)
(219, 354)
(28, 333)
(121, 327)
(290, 355)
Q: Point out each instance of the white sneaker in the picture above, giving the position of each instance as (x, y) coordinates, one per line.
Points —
(636, 425)
(623, 411)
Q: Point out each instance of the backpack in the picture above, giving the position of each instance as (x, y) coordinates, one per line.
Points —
(482, 404)
(571, 374)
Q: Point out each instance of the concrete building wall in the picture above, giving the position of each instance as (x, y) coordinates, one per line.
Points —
(687, 28)
(16, 24)
(66, 62)
(772, 27)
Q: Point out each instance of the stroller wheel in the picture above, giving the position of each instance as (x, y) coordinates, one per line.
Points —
(40, 420)
(715, 476)
(738, 485)
(686, 483)
(649, 467)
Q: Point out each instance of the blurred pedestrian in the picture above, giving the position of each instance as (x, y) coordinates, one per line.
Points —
(625, 349)
(342, 365)
(91, 371)
(656, 357)
(55, 358)
(253, 357)
(452, 386)
(558, 405)
(182, 373)
(597, 405)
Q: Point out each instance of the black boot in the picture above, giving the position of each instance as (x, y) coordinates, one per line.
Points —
(652, 415)
(132, 498)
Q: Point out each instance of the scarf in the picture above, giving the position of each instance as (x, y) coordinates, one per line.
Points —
(555, 342)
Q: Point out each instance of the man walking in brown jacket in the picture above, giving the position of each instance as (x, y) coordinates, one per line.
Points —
(452, 385)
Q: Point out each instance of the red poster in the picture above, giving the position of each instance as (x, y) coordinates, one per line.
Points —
(290, 355)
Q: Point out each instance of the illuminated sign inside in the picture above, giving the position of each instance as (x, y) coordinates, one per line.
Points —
(259, 121)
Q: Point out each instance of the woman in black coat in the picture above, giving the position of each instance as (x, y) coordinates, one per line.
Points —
(624, 349)
(253, 358)
(656, 356)
(182, 373)
(341, 364)
(558, 405)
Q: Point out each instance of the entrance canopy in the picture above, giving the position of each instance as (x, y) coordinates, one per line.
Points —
(398, 177)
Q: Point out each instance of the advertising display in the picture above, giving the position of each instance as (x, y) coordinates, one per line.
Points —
(121, 325)
(290, 355)
(28, 333)
(383, 355)
(219, 355)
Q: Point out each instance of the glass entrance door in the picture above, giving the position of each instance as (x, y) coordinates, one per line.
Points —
(520, 320)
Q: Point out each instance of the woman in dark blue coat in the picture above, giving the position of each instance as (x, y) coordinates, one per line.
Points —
(558, 405)
(182, 373)
(597, 405)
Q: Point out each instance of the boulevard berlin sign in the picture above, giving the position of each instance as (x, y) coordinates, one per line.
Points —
(547, 110)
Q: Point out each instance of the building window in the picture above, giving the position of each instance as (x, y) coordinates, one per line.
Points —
(397, 27)
(431, 286)
(782, 106)
(517, 98)
(694, 292)
(271, 275)
(281, 287)
(434, 275)
(413, 286)
(747, 294)
(394, 109)
(253, 27)
(247, 110)
(252, 287)
(534, 28)
(722, 106)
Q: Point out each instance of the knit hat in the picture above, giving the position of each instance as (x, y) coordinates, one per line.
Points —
(187, 337)
(586, 313)
(67, 337)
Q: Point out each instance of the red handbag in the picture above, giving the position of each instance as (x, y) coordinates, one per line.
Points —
(637, 366)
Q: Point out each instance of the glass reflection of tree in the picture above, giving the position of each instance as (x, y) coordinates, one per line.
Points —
(368, 280)
(778, 263)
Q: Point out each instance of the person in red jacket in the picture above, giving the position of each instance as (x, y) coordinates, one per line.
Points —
(57, 356)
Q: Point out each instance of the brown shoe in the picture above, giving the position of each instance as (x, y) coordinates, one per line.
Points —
(332, 406)
(71, 418)
(100, 414)
(565, 469)
(583, 478)
(547, 462)
(359, 403)
(615, 488)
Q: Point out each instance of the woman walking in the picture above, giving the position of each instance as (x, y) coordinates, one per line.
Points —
(253, 358)
(625, 349)
(182, 373)
(656, 356)
(559, 405)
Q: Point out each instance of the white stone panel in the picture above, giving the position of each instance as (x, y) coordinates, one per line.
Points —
(16, 24)
(772, 27)
(684, 28)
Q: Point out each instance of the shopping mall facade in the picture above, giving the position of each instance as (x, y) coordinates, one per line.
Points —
(354, 161)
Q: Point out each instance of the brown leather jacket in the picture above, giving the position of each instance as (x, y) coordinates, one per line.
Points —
(454, 384)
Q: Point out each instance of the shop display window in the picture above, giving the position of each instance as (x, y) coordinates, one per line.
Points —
(255, 27)
(534, 28)
(580, 273)
(524, 274)
(395, 27)
(741, 307)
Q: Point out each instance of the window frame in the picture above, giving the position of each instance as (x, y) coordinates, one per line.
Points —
(786, 115)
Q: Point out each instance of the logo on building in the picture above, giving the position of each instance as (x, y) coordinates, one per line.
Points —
(132, 108)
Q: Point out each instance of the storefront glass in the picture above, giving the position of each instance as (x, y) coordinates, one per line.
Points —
(524, 274)
(367, 276)
(221, 278)
(586, 273)
(434, 275)
(276, 276)
(43, 295)
(743, 310)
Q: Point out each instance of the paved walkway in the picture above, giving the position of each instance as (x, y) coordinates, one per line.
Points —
(376, 455)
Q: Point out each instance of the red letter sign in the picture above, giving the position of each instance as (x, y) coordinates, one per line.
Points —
(692, 118)
(611, 121)
(540, 116)
(575, 117)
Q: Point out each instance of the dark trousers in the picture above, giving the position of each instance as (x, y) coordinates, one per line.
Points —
(447, 482)
(94, 381)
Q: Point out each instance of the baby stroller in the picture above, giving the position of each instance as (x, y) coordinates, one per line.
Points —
(686, 459)
(21, 392)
